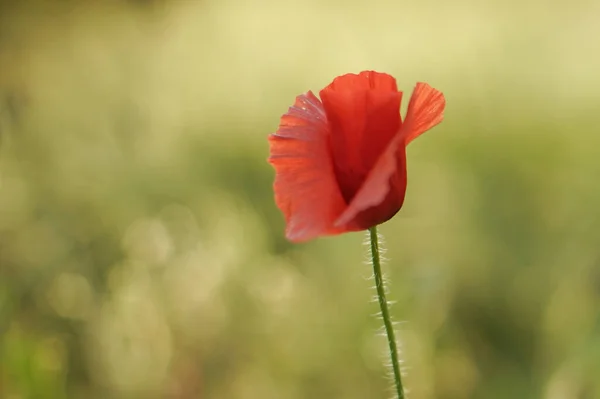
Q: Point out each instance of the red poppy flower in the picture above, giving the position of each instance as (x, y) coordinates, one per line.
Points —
(340, 163)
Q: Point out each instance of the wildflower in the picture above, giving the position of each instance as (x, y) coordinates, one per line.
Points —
(340, 162)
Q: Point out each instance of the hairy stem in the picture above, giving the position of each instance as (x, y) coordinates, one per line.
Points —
(385, 312)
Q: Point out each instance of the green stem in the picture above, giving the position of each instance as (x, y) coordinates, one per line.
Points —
(385, 312)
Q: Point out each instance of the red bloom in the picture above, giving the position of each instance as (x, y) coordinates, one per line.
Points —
(341, 163)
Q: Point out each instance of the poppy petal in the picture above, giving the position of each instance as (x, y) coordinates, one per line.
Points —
(425, 110)
(306, 190)
(375, 188)
(363, 114)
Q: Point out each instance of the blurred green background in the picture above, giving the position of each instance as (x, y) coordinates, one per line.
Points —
(141, 253)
